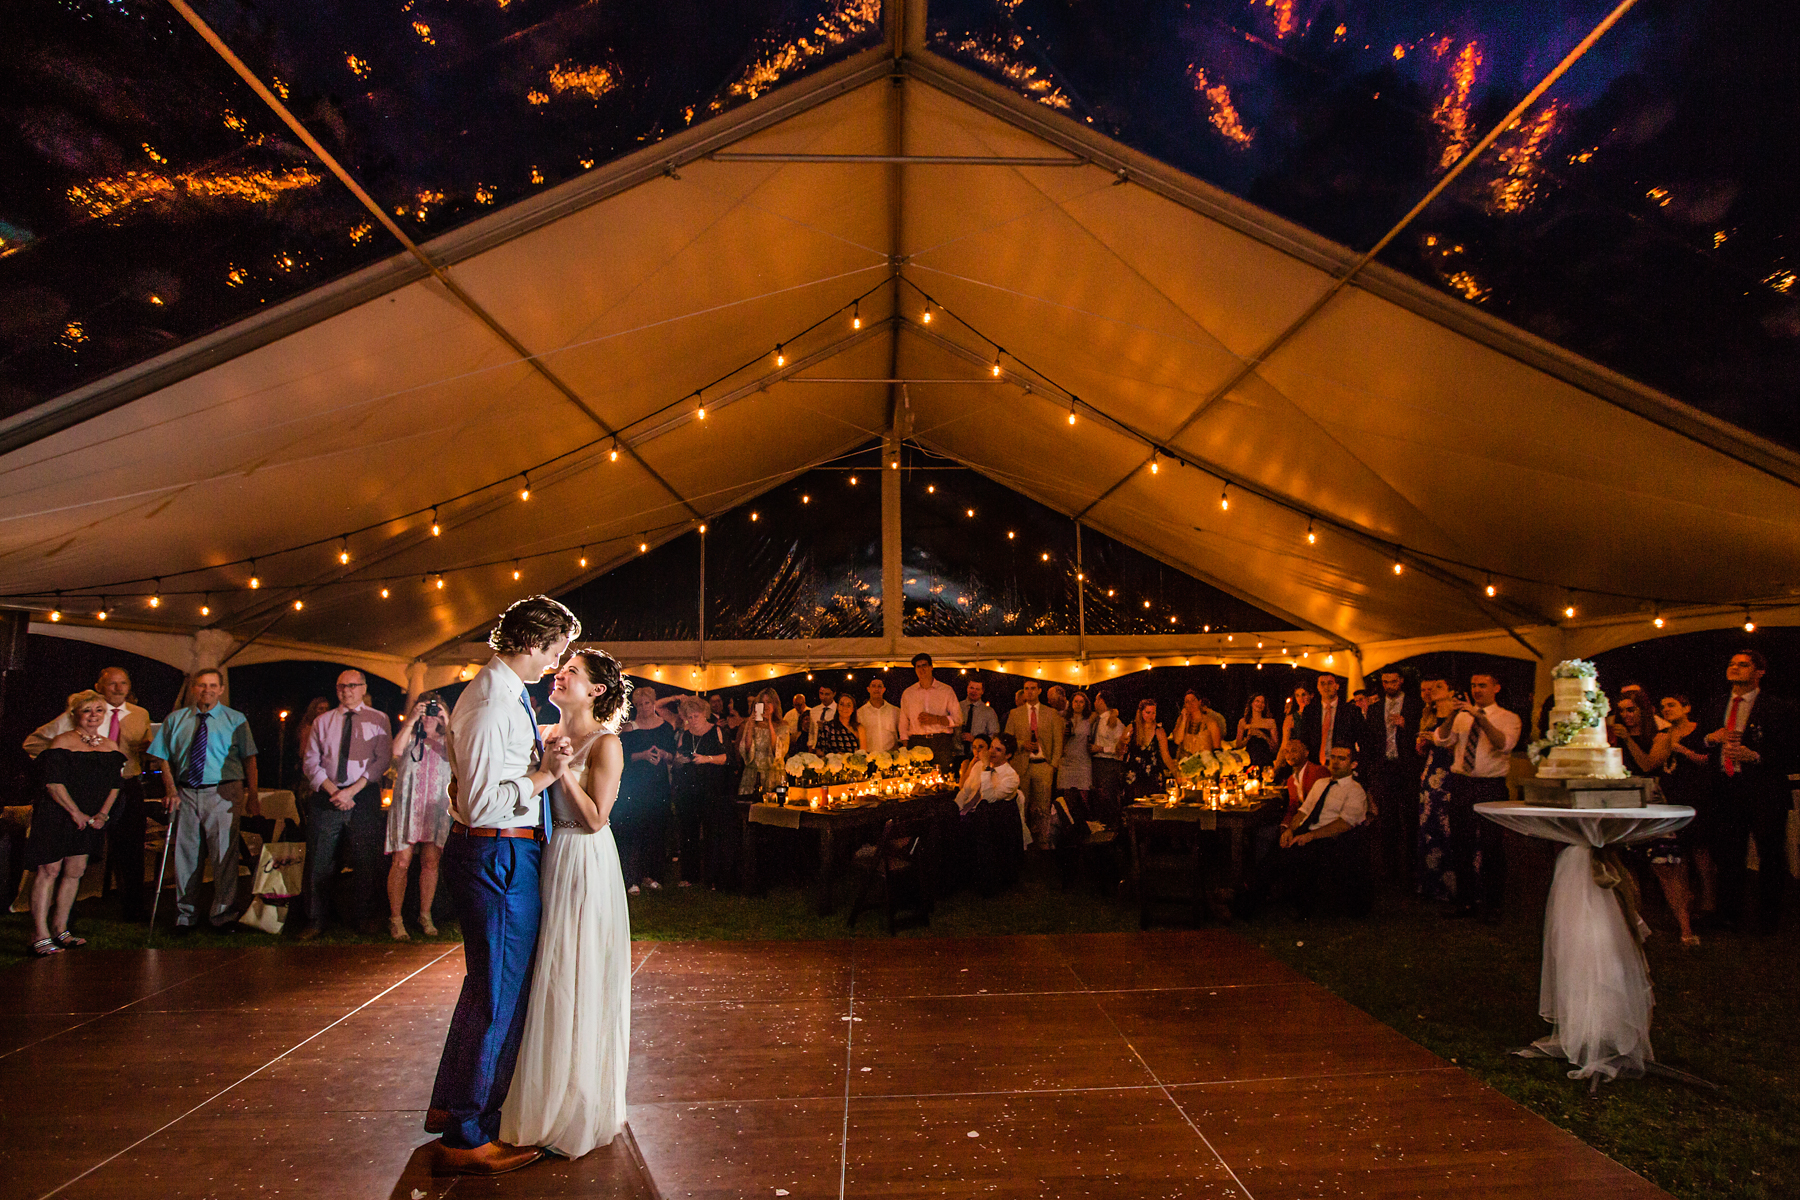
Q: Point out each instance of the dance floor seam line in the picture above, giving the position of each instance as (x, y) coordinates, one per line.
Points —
(1170, 1097)
(849, 1046)
(128, 1004)
(167, 1125)
(1081, 991)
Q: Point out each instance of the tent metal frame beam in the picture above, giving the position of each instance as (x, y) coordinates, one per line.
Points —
(955, 160)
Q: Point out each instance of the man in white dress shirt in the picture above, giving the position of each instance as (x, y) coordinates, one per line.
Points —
(1482, 735)
(991, 835)
(1323, 843)
(501, 769)
(129, 726)
(878, 721)
(929, 711)
(343, 761)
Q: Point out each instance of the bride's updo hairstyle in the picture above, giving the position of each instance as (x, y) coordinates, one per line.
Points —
(603, 671)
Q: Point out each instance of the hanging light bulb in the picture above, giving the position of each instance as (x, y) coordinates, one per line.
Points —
(1155, 461)
(1491, 589)
(344, 550)
(384, 593)
(1399, 567)
(856, 315)
(643, 547)
(206, 605)
(515, 570)
(1749, 625)
(102, 613)
(156, 596)
(583, 559)
(995, 369)
(1312, 538)
(255, 580)
(780, 355)
(614, 456)
(56, 614)
(1206, 629)
(436, 529)
(1569, 611)
(525, 486)
(703, 527)
(440, 581)
(755, 516)
(299, 604)
(926, 318)
(1225, 498)
(1657, 619)
(1071, 410)
(699, 412)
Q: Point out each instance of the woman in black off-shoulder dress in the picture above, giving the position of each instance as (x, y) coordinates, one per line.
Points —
(80, 774)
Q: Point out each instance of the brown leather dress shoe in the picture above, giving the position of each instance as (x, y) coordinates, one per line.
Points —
(437, 1120)
(495, 1158)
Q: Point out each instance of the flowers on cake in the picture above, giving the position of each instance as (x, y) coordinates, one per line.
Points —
(1574, 668)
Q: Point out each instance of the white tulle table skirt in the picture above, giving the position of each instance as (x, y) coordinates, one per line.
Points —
(1596, 985)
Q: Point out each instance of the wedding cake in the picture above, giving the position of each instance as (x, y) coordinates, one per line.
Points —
(1576, 746)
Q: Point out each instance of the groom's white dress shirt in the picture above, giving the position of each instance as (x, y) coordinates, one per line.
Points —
(988, 783)
(491, 743)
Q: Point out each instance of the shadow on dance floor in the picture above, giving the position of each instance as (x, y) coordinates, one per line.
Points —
(1155, 1064)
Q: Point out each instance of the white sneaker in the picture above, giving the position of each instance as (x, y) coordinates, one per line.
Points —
(633, 890)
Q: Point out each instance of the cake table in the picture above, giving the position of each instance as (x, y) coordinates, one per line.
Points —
(1595, 988)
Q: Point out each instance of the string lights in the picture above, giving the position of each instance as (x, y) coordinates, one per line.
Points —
(1225, 498)
(700, 407)
(780, 355)
(344, 550)
(156, 596)
(1312, 539)
(255, 579)
(525, 486)
(436, 529)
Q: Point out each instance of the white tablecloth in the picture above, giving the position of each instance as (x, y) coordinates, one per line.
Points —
(1595, 989)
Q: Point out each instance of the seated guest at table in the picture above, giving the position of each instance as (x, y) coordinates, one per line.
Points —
(420, 813)
(79, 771)
(706, 814)
(128, 726)
(839, 733)
(929, 711)
(821, 712)
(641, 813)
(1685, 781)
(1147, 761)
(350, 751)
(1756, 741)
(990, 831)
(976, 760)
(1481, 736)
(1257, 732)
(1037, 730)
(878, 722)
(1295, 775)
(1320, 845)
(208, 761)
(1106, 749)
(762, 744)
(978, 718)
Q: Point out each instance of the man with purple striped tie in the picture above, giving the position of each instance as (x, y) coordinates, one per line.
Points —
(501, 768)
(208, 761)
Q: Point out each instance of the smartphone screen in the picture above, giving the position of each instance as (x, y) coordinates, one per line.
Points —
(759, 711)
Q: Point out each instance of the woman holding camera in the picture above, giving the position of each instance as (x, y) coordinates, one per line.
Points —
(420, 813)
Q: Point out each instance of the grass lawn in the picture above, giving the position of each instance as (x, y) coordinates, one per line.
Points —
(1726, 1012)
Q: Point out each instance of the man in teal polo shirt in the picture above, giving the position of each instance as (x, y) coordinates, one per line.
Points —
(208, 760)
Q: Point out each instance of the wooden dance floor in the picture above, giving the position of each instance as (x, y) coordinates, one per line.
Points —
(1124, 1065)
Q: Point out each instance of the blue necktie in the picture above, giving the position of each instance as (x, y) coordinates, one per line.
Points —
(196, 755)
(537, 739)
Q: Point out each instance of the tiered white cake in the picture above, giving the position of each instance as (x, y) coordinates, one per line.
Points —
(1577, 740)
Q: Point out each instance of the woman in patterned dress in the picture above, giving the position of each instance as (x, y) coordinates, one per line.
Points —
(1147, 761)
(1437, 873)
(420, 813)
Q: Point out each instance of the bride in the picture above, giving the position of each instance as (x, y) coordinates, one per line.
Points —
(568, 1093)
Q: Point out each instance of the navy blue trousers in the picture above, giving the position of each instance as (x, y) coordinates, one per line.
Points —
(493, 886)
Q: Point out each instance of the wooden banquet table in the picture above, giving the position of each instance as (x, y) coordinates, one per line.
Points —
(1144, 817)
(836, 828)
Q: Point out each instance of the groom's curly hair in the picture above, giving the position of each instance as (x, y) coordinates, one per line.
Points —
(532, 624)
(603, 671)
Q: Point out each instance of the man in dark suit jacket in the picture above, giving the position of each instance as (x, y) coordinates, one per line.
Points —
(1756, 744)
(1334, 713)
(1391, 765)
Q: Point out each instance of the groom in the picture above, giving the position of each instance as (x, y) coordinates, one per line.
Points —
(501, 769)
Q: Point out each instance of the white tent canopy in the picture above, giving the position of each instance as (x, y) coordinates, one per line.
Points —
(1402, 425)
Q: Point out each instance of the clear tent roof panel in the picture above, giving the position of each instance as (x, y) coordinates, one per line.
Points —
(1645, 213)
(150, 196)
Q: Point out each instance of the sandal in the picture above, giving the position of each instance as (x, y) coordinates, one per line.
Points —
(45, 947)
(426, 927)
(397, 930)
(1690, 940)
(67, 940)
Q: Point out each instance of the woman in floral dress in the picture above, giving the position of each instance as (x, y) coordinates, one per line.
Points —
(1437, 873)
(1147, 761)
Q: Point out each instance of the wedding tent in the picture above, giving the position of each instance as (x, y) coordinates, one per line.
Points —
(892, 239)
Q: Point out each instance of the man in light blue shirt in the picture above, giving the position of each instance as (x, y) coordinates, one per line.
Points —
(208, 760)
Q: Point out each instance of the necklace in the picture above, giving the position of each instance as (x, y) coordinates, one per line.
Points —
(95, 740)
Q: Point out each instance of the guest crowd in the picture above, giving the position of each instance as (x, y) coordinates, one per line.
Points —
(1379, 785)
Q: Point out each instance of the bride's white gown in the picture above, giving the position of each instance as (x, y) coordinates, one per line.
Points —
(568, 1092)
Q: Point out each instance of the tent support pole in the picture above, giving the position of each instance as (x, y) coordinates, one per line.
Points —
(1080, 604)
(702, 613)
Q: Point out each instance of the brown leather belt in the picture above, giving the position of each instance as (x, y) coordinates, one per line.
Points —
(523, 831)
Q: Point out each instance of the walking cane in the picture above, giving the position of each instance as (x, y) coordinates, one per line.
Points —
(156, 900)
